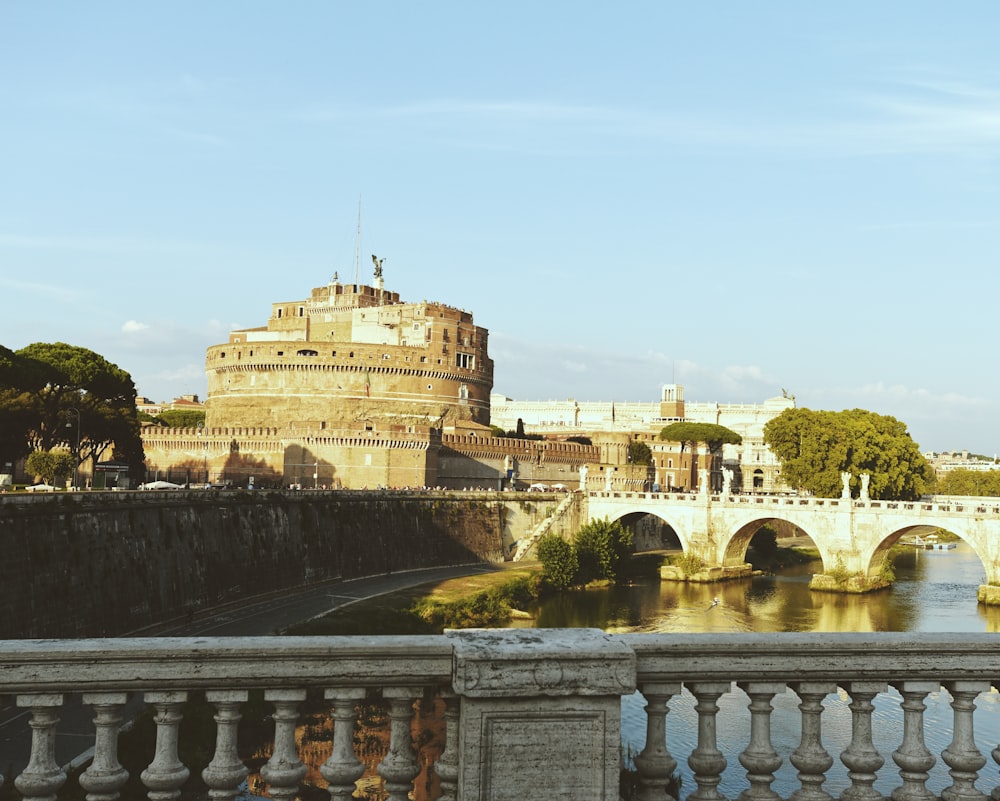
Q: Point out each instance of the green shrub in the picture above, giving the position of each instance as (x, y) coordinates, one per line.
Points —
(600, 546)
(689, 563)
(560, 563)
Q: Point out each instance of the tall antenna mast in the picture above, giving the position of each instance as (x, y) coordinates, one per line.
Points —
(357, 244)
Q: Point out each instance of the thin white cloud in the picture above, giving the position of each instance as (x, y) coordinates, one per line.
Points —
(133, 326)
(99, 244)
(540, 371)
(918, 116)
(50, 291)
(198, 137)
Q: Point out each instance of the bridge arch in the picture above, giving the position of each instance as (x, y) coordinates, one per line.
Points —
(633, 520)
(739, 540)
(880, 555)
(853, 536)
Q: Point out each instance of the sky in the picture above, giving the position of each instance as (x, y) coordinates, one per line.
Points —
(742, 198)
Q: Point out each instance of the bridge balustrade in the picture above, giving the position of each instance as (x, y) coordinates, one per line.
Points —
(534, 712)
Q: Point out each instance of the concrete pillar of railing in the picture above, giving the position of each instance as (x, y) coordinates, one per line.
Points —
(540, 713)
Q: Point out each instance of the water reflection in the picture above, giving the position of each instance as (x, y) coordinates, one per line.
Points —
(933, 591)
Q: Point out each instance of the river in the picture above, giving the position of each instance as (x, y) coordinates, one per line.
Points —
(934, 591)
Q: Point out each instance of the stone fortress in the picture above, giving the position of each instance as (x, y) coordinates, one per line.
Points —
(354, 388)
(352, 354)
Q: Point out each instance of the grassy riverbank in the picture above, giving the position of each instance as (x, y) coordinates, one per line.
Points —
(482, 599)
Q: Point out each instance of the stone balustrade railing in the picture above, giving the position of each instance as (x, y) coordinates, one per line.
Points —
(531, 713)
(967, 505)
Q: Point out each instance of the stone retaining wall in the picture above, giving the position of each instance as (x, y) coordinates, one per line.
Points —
(86, 565)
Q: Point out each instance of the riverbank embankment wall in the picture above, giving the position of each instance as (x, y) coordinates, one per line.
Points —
(111, 564)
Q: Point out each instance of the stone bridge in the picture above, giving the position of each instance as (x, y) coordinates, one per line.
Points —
(853, 536)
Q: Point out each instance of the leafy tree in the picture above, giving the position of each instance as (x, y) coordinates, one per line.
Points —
(15, 408)
(559, 561)
(181, 418)
(815, 447)
(519, 430)
(713, 435)
(496, 431)
(70, 397)
(52, 466)
(639, 452)
(962, 481)
(600, 546)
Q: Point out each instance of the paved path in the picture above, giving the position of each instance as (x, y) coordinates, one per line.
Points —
(75, 733)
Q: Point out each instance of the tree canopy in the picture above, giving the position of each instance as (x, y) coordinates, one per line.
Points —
(181, 418)
(56, 395)
(50, 466)
(815, 447)
(963, 481)
(714, 435)
(639, 452)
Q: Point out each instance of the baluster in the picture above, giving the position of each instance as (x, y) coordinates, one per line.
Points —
(105, 776)
(760, 759)
(655, 763)
(961, 755)
(707, 760)
(399, 767)
(912, 756)
(447, 764)
(166, 773)
(343, 768)
(226, 772)
(43, 777)
(861, 757)
(810, 758)
(995, 792)
(284, 771)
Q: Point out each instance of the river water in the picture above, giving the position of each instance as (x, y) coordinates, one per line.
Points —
(934, 591)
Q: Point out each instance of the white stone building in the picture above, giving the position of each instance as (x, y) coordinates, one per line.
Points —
(753, 463)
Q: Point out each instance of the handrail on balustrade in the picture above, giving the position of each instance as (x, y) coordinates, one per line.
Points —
(517, 676)
(164, 663)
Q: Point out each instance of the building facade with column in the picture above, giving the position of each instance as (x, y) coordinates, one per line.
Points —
(754, 466)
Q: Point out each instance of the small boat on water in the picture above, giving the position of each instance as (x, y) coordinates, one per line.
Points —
(932, 543)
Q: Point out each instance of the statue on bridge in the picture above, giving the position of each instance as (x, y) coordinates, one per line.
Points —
(583, 477)
(703, 483)
(846, 478)
(727, 481)
(865, 478)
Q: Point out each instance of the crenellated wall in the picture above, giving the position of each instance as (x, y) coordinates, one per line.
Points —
(107, 564)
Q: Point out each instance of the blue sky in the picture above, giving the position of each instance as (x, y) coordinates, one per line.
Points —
(737, 197)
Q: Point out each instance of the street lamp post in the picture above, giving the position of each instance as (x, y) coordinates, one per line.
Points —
(76, 455)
